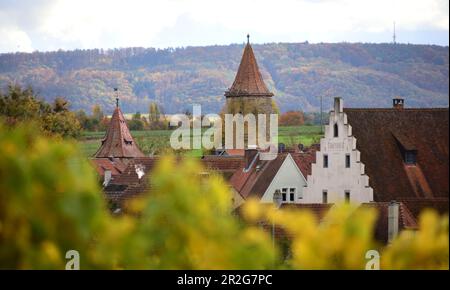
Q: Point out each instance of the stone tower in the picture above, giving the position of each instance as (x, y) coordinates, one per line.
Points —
(248, 93)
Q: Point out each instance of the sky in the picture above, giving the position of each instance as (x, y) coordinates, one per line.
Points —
(46, 25)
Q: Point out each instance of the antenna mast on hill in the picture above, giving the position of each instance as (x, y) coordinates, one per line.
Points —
(394, 36)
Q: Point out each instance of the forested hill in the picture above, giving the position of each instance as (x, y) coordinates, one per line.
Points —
(365, 75)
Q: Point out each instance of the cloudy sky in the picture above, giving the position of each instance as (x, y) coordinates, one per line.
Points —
(28, 25)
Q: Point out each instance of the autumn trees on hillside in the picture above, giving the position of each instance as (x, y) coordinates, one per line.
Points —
(291, 118)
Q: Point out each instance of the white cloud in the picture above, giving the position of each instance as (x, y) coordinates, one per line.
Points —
(14, 39)
(69, 24)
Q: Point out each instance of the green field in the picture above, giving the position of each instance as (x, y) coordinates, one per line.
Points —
(156, 141)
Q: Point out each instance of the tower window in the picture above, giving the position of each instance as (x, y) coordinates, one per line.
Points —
(347, 161)
(410, 157)
(324, 196)
(347, 196)
(336, 130)
(325, 161)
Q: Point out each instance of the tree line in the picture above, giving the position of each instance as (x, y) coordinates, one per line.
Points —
(365, 75)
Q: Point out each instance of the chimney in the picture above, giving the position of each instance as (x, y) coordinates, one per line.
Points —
(398, 102)
(249, 155)
(338, 105)
(107, 178)
(393, 214)
(281, 147)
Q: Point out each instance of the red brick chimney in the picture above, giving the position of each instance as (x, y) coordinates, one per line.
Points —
(398, 102)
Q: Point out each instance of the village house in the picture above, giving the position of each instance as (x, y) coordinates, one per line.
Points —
(405, 153)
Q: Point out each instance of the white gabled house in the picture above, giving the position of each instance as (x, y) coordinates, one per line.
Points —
(261, 178)
(289, 180)
(338, 175)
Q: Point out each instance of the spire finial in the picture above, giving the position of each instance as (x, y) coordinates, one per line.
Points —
(117, 96)
(248, 38)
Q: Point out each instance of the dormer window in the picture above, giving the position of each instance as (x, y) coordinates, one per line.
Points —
(407, 148)
(410, 157)
(336, 130)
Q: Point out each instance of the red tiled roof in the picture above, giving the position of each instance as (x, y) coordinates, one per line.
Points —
(417, 205)
(118, 141)
(222, 163)
(304, 160)
(235, 152)
(248, 81)
(134, 185)
(129, 175)
(383, 134)
(116, 166)
(406, 219)
(254, 181)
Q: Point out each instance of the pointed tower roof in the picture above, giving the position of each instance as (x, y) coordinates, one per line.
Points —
(118, 142)
(248, 81)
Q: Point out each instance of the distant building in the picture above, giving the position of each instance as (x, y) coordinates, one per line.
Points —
(118, 142)
(382, 155)
(117, 148)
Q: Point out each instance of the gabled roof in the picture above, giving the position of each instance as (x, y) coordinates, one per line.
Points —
(248, 80)
(383, 135)
(255, 180)
(118, 142)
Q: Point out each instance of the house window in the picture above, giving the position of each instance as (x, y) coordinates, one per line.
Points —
(325, 161)
(284, 194)
(324, 196)
(347, 196)
(347, 161)
(410, 157)
(292, 194)
(336, 130)
(288, 194)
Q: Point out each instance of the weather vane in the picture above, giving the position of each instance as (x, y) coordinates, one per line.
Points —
(117, 96)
